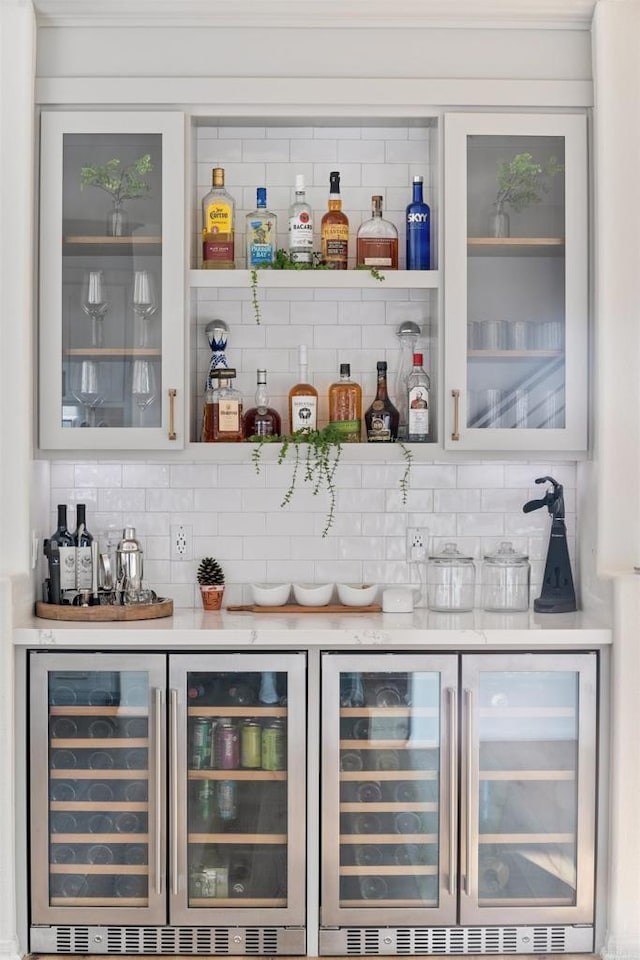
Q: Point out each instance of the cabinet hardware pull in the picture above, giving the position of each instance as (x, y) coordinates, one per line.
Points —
(172, 411)
(157, 787)
(173, 832)
(468, 696)
(453, 788)
(455, 433)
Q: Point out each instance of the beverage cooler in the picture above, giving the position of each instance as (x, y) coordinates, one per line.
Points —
(459, 803)
(167, 803)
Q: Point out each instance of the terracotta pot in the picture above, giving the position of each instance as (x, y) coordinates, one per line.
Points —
(211, 597)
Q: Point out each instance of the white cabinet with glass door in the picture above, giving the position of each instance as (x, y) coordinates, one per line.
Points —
(516, 287)
(111, 280)
(458, 792)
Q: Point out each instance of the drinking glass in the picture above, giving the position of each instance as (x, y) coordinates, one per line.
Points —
(144, 302)
(86, 388)
(94, 303)
(143, 385)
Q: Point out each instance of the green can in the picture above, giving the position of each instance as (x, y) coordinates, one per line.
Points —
(251, 745)
(206, 800)
(274, 746)
(201, 743)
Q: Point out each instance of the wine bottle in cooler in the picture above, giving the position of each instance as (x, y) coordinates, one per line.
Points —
(83, 540)
(66, 549)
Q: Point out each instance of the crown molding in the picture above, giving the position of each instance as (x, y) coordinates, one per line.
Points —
(341, 14)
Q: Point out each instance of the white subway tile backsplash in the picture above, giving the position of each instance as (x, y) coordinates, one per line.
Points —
(479, 524)
(207, 500)
(170, 499)
(97, 475)
(125, 501)
(186, 475)
(145, 475)
(241, 524)
(456, 501)
(481, 475)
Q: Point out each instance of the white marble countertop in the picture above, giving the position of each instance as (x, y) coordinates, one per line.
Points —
(191, 628)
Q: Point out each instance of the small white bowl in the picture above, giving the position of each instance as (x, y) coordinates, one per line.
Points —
(270, 594)
(357, 595)
(312, 594)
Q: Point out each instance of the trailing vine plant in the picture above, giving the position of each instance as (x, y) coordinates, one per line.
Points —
(319, 461)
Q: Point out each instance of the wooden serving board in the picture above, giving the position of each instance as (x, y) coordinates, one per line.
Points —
(297, 608)
(142, 611)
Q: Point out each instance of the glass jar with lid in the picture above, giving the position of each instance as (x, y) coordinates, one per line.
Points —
(505, 580)
(451, 580)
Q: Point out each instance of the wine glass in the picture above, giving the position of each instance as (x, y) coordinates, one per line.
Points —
(86, 388)
(143, 385)
(94, 303)
(144, 302)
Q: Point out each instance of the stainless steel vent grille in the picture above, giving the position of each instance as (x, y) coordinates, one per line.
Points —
(218, 941)
(372, 941)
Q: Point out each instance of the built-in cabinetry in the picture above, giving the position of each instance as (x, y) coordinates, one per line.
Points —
(170, 795)
(506, 346)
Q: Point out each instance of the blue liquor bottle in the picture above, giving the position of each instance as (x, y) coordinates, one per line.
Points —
(418, 230)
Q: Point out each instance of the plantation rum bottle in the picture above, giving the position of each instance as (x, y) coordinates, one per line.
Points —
(262, 226)
(377, 240)
(300, 227)
(262, 420)
(222, 418)
(303, 399)
(218, 215)
(345, 406)
(382, 418)
(334, 228)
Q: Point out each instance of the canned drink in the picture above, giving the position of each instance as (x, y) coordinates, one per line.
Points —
(201, 743)
(251, 745)
(206, 798)
(227, 752)
(274, 746)
(209, 882)
(227, 800)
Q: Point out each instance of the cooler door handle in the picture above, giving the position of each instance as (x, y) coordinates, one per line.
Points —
(453, 788)
(173, 787)
(468, 858)
(157, 788)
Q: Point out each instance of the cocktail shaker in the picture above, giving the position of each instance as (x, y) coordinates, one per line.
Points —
(129, 564)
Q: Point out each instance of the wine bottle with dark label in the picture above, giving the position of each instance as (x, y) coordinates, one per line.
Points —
(83, 540)
(66, 549)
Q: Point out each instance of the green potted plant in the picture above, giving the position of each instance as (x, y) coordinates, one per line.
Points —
(122, 182)
(210, 576)
(520, 183)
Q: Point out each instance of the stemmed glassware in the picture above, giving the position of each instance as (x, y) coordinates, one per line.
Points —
(144, 302)
(143, 385)
(94, 303)
(87, 389)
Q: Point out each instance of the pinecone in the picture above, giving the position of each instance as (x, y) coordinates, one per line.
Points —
(210, 573)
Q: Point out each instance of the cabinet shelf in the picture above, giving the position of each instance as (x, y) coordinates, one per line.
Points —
(90, 806)
(394, 775)
(388, 712)
(388, 745)
(237, 774)
(253, 711)
(515, 246)
(100, 869)
(394, 838)
(117, 353)
(87, 743)
(532, 712)
(387, 807)
(99, 901)
(243, 838)
(323, 279)
(92, 838)
(527, 775)
(90, 711)
(521, 838)
(71, 773)
(510, 355)
(220, 902)
(391, 870)
(74, 244)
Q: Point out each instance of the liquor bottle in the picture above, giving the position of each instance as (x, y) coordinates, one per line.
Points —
(382, 418)
(262, 420)
(345, 406)
(66, 550)
(418, 230)
(262, 227)
(303, 398)
(222, 419)
(334, 228)
(300, 227)
(418, 386)
(218, 214)
(377, 240)
(83, 540)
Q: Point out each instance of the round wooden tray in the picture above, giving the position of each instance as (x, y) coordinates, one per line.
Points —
(143, 611)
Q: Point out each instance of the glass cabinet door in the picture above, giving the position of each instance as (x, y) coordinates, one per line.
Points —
(111, 266)
(238, 789)
(97, 788)
(528, 788)
(389, 789)
(517, 287)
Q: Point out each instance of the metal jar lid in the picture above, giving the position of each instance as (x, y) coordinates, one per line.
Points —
(505, 554)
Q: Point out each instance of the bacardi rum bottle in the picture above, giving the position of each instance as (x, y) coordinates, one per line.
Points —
(300, 227)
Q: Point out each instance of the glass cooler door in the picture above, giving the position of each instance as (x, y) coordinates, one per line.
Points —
(97, 788)
(528, 778)
(389, 789)
(238, 789)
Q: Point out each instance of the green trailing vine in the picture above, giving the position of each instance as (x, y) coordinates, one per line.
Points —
(323, 449)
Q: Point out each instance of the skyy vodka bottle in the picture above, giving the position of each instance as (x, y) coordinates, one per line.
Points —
(418, 230)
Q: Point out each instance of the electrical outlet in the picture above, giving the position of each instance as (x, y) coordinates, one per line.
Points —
(416, 544)
(181, 541)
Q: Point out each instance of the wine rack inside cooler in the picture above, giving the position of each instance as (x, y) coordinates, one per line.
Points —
(98, 773)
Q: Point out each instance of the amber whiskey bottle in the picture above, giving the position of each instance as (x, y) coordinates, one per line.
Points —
(382, 418)
(334, 228)
(222, 418)
(345, 406)
(303, 399)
